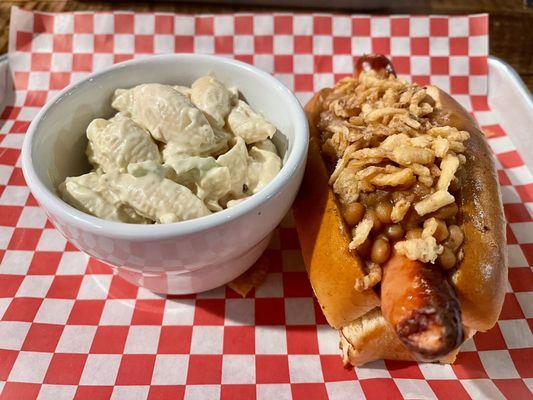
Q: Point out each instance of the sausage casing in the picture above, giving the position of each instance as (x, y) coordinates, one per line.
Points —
(376, 62)
(421, 305)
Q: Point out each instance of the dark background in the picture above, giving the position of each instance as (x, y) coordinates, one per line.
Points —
(511, 21)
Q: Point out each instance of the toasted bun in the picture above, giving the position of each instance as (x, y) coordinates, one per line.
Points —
(370, 338)
(479, 281)
(324, 239)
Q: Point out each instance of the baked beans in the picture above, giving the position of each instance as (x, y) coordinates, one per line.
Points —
(394, 232)
(445, 212)
(380, 251)
(383, 212)
(372, 214)
(377, 248)
(353, 213)
(456, 238)
(415, 233)
(441, 232)
(447, 259)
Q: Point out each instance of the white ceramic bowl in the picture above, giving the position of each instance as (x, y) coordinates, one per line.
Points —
(184, 257)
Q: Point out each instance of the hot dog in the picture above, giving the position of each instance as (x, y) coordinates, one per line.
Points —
(399, 218)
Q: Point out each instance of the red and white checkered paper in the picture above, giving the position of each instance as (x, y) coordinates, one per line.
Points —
(71, 329)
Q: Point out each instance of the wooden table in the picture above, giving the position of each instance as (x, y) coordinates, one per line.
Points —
(511, 22)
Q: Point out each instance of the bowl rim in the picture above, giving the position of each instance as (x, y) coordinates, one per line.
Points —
(122, 230)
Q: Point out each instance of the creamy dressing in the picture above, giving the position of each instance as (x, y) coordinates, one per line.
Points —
(173, 153)
(184, 90)
(213, 98)
(236, 160)
(169, 116)
(115, 144)
(206, 178)
(87, 193)
(266, 145)
(248, 124)
(263, 166)
(155, 197)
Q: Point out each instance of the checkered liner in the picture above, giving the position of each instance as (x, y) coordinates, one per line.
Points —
(70, 329)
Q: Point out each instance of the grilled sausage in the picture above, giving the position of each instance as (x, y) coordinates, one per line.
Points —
(377, 62)
(420, 304)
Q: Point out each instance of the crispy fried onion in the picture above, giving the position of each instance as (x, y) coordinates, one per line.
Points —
(425, 249)
(371, 279)
(360, 232)
(399, 210)
(433, 202)
(408, 160)
(385, 138)
(430, 227)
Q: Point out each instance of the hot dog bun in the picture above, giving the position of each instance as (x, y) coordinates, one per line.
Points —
(370, 338)
(324, 239)
(479, 280)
